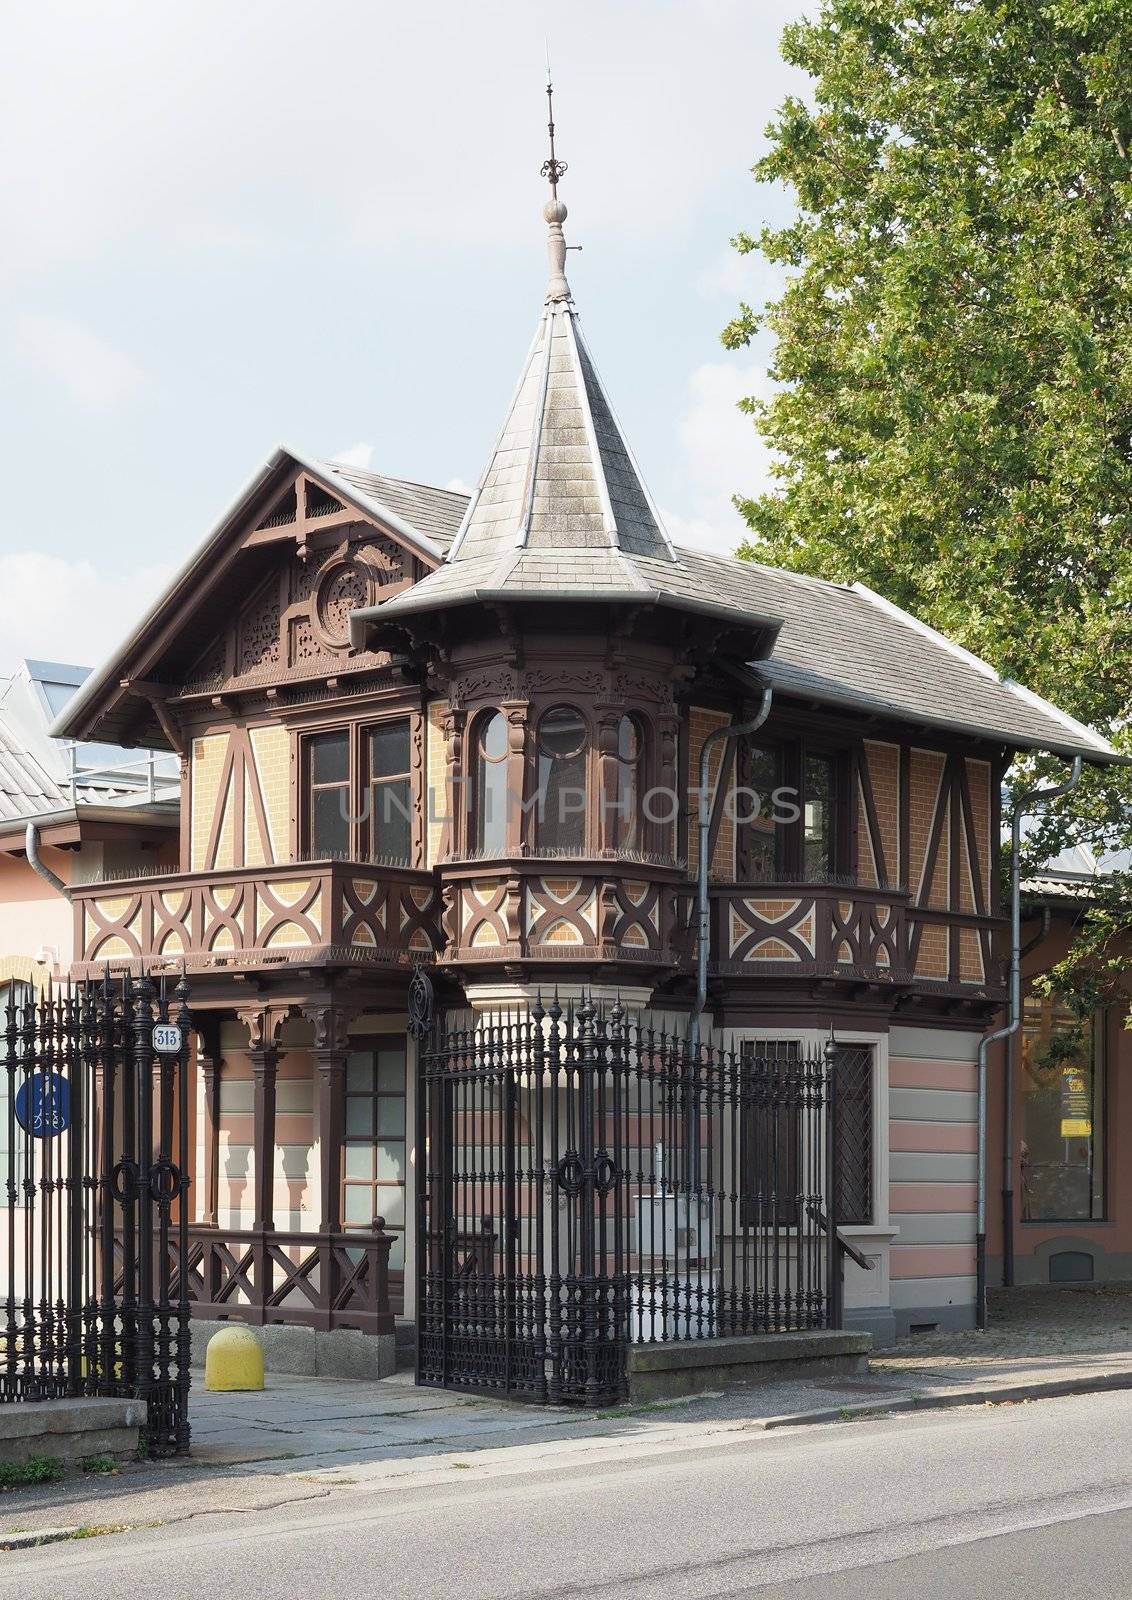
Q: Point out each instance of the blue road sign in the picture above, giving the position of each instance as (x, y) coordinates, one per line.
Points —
(43, 1105)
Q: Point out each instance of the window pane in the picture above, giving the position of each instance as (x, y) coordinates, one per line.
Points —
(628, 784)
(359, 1161)
(1062, 1153)
(490, 814)
(389, 750)
(359, 1117)
(330, 758)
(391, 1116)
(330, 832)
(758, 838)
(390, 821)
(562, 780)
(390, 1204)
(817, 817)
(391, 1161)
(391, 1071)
(359, 1071)
(358, 1209)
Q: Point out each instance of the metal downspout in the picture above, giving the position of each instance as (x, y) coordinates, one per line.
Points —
(1024, 803)
(37, 863)
(733, 730)
(1008, 1080)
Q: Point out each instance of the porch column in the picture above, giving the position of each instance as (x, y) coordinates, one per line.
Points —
(331, 1047)
(211, 1069)
(262, 1028)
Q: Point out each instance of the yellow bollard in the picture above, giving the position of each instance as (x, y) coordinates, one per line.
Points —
(233, 1360)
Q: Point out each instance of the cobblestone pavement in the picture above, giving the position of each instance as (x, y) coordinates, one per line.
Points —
(1026, 1326)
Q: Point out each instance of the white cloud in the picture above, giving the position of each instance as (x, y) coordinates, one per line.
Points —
(356, 455)
(57, 610)
(458, 486)
(738, 277)
(721, 454)
(92, 372)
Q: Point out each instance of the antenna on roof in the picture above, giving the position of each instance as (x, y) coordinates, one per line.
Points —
(554, 211)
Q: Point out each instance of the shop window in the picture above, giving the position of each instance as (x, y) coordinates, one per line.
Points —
(489, 794)
(563, 770)
(1062, 1154)
(373, 1175)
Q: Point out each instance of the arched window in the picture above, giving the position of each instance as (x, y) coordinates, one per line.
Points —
(563, 761)
(489, 794)
(627, 826)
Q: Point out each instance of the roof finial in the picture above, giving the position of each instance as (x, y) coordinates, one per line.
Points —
(554, 211)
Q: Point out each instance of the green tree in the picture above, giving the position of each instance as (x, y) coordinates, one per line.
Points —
(952, 406)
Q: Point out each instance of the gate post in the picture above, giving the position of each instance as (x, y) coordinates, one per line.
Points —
(833, 1248)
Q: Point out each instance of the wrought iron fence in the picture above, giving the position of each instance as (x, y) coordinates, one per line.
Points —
(94, 1180)
(589, 1183)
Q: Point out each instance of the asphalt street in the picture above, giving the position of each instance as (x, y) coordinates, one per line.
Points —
(1028, 1500)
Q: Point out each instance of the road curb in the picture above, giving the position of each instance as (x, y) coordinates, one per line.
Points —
(942, 1399)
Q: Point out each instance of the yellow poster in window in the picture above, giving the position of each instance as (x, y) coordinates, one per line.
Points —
(1076, 1128)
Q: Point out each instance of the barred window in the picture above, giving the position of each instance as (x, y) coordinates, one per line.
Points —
(853, 1154)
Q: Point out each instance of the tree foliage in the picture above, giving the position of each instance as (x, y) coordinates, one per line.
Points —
(952, 406)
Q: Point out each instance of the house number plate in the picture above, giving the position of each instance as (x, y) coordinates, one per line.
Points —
(167, 1039)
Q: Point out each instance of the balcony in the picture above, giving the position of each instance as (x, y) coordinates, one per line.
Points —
(808, 931)
(308, 912)
(564, 910)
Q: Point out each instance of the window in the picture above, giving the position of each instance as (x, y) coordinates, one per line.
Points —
(770, 1139)
(563, 759)
(758, 853)
(853, 1151)
(1062, 1155)
(328, 769)
(798, 836)
(388, 808)
(489, 800)
(630, 760)
(359, 794)
(373, 1179)
(817, 818)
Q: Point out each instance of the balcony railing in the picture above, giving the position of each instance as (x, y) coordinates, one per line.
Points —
(567, 909)
(316, 912)
(321, 1280)
(804, 930)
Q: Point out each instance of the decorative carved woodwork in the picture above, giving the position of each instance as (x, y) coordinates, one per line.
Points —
(252, 918)
(324, 1280)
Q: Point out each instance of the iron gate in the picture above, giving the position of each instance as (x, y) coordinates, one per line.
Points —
(94, 1176)
(587, 1183)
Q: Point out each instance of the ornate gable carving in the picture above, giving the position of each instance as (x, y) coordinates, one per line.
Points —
(297, 623)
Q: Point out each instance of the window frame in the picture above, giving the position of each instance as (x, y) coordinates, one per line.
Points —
(793, 752)
(588, 752)
(1099, 1071)
(809, 1042)
(477, 762)
(372, 1045)
(359, 825)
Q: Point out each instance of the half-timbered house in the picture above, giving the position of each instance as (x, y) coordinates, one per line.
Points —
(418, 727)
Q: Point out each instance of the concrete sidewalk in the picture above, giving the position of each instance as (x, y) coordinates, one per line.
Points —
(304, 1438)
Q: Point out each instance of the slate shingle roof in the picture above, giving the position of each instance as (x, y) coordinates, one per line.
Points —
(561, 512)
(436, 513)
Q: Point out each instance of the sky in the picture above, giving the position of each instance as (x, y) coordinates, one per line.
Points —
(234, 226)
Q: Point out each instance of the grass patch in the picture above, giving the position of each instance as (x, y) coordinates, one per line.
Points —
(102, 1464)
(23, 1475)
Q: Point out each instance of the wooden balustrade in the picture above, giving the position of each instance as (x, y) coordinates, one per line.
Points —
(316, 912)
